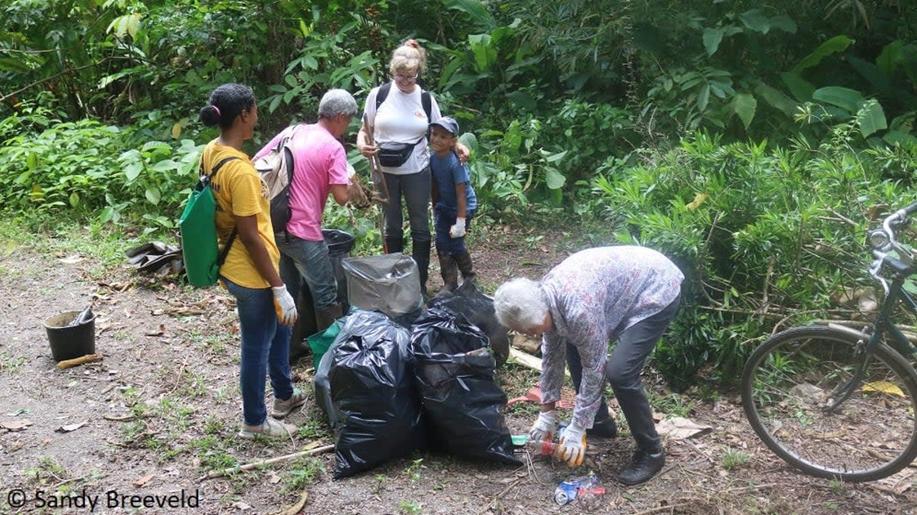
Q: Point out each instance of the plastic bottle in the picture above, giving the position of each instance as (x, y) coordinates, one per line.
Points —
(578, 488)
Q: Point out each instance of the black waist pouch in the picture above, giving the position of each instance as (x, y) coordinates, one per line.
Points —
(395, 154)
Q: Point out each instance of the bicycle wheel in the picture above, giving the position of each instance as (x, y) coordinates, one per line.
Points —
(792, 377)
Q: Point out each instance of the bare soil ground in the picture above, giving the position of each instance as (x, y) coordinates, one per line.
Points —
(163, 409)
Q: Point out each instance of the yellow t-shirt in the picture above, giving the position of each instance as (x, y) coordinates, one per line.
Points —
(239, 191)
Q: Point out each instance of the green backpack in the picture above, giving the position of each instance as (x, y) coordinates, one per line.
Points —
(200, 248)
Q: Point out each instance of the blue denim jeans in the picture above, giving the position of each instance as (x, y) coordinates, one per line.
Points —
(444, 219)
(308, 260)
(265, 348)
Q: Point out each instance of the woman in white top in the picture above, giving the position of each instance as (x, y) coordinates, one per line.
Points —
(399, 118)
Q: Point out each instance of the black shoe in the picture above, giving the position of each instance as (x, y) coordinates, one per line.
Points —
(643, 466)
(603, 429)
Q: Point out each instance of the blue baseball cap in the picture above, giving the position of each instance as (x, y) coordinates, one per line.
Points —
(448, 123)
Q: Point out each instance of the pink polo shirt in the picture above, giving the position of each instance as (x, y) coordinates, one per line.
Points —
(319, 161)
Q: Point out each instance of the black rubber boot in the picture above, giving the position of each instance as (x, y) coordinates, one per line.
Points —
(326, 316)
(643, 466)
(463, 261)
(449, 270)
(305, 324)
(394, 244)
(420, 251)
(603, 429)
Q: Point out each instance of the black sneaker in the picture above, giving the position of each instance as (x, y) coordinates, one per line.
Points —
(603, 429)
(643, 466)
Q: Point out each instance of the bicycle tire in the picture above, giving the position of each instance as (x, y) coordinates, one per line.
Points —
(897, 364)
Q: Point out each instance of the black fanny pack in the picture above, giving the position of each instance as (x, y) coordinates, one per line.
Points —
(396, 154)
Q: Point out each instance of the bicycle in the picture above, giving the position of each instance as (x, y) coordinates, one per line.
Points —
(838, 402)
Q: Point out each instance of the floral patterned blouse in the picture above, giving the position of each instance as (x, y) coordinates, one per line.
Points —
(594, 296)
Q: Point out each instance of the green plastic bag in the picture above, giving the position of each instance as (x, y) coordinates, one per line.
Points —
(320, 342)
(200, 249)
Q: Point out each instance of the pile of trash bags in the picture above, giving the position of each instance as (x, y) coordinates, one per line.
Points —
(389, 390)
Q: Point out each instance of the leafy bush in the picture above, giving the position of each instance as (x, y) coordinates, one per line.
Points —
(94, 170)
(761, 233)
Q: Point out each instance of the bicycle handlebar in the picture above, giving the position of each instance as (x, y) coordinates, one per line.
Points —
(908, 210)
(881, 248)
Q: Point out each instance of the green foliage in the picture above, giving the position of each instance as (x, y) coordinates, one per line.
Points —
(761, 233)
(733, 459)
(303, 472)
(91, 170)
(726, 134)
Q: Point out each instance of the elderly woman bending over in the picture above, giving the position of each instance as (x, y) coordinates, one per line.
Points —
(626, 293)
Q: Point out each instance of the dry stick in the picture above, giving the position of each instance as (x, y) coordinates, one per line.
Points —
(765, 303)
(502, 492)
(686, 501)
(88, 358)
(527, 360)
(698, 450)
(859, 324)
(672, 507)
(123, 418)
(296, 508)
(52, 77)
(256, 464)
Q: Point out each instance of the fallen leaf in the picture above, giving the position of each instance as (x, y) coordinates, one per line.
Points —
(679, 428)
(16, 425)
(883, 387)
(699, 198)
(140, 481)
(274, 478)
(241, 505)
(71, 260)
(161, 331)
(70, 427)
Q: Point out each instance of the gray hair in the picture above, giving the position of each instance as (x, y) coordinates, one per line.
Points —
(337, 102)
(520, 304)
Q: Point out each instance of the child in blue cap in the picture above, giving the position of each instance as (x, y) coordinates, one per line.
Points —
(454, 202)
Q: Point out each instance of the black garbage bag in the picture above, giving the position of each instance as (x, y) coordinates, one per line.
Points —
(375, 409)
(462, 403)
(478, 309)
(322, 384)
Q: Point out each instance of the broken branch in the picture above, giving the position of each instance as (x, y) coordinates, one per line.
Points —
(257, 464)
(75, 362)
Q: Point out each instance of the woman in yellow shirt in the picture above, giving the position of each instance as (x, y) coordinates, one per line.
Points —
(250, 271)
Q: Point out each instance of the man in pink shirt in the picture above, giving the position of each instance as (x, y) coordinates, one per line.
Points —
(319, 168)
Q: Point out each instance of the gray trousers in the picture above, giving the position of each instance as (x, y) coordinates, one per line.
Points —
(622, 371)
(415, 188)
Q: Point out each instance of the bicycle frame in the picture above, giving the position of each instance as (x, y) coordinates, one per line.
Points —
(883, 325)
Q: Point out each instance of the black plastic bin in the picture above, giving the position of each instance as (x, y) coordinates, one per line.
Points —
(69, 342)
(340, 244)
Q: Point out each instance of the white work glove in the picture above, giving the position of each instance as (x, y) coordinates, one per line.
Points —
(457, 230)
(544, 428)
(284, 305)
(573, 445)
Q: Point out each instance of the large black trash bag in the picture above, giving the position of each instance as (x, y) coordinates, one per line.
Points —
(375, 410)
(478, 309)
(321, 382)
(462, 403)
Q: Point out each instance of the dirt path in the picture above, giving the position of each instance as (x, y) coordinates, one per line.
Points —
(163, 408)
